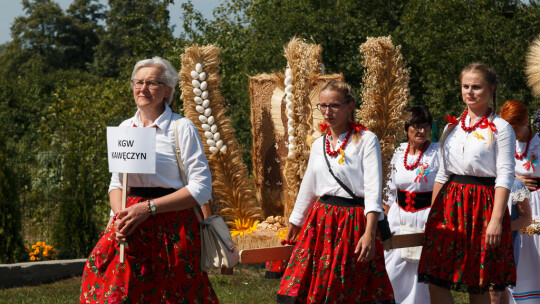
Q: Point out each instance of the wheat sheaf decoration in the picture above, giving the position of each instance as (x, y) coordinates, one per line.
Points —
(385, 94)
(303, 64)
(532, 68)
(199, 83)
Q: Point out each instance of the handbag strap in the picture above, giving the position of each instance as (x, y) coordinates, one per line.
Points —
(181, 164)
(347, 189)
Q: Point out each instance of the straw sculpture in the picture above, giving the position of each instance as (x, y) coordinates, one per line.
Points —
(270, 134)
(303, 64)
(385, 93)
(199, 83)
(532, 69)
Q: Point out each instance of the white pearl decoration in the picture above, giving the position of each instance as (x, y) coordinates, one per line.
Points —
(223, 149)
(288, 72)
(288, 80)
(204, 95)
(217, 136)
(198, 67)
(210, 142)
(213, 128)
(195, 75)
(206, 127)
(204, 85)
(203, 119)
(291, 131)
(211, 120)
(198, 100)
(208, 134)
(206, 103)
(202, 76)
(213, 149)
(290, 154)
(219, 143)
(197, 91)
(291, 138)
(207, 112)
(199, 109)
(195, 83)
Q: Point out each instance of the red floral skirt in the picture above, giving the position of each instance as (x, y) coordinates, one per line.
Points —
(323, 267)
(455, 255)
(162, 264)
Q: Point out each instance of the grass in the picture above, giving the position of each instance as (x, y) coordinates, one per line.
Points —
(247, 285)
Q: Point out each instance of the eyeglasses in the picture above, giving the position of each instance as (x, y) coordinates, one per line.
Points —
(150, 84)
(419, 127)
(334, 106)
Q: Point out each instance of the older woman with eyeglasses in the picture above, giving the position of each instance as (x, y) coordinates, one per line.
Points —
(414, 167)
(339, 255)
(158, 227)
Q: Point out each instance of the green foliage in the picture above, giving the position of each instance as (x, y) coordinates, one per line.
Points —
(74, 132)
(12, 249)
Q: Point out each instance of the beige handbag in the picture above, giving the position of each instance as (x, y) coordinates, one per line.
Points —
(217, 246)
(411, 254)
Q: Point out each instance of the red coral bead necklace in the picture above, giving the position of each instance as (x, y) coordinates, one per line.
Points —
(336, 152)
(473, 127)
(413, 166)
(520, 156)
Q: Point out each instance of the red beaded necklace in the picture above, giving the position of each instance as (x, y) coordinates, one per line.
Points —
(328, 147)
(473, 127)
(413, 166)
(520, 156)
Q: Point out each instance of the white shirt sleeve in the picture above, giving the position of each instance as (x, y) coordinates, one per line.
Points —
(306, 195)
(195, 164)
(372, 176)
(505, 159)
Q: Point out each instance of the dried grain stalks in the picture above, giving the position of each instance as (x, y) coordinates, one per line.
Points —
(532, 68)
(231, 187)
(303, 60)
(385, 94)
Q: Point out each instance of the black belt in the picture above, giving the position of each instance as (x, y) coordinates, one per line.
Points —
(413, 201)
(341, 201)
(473, 180)
(149, 192)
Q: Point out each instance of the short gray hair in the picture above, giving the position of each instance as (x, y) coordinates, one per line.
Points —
(169, 76)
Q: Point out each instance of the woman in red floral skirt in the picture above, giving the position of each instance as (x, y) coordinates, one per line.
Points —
(158, 227)
(339, 256)
(468, 244)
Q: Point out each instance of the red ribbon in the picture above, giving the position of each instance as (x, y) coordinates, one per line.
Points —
(323, 127)
(486, 124)
(451, 119)
(357, 127)
(410, 200)
(530, 164)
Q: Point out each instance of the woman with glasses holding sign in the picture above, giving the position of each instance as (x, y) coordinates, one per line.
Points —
(158, 227)
(414, 167)
(468, 244)
(339, 255)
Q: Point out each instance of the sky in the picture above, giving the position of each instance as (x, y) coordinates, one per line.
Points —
(13, 8)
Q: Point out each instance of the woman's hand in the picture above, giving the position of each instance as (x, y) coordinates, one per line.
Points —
(366, 247)
(129, 219)
(493, 233)
(529, 182)
(292, 232)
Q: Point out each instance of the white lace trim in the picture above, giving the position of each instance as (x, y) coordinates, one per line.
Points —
(519, 195)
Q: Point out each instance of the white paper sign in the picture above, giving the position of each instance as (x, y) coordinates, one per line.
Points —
(131, 150)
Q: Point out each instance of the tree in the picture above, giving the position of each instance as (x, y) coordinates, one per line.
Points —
(136, 29)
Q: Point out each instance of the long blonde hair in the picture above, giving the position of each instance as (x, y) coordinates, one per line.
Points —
(491, 78)
(348, 96)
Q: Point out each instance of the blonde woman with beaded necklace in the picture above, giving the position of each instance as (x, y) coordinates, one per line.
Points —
(468, 244)
(339, 255)
(414, 166)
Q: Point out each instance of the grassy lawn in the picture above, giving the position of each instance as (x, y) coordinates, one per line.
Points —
(247, 285)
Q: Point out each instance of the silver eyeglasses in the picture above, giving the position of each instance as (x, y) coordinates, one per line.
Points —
(151, 84)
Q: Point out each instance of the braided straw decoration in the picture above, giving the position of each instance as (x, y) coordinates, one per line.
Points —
(232, 189)
(385, 93)
(532, 68)
(303, 60)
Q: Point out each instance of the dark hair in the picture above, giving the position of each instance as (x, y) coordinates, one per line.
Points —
(419, 116)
